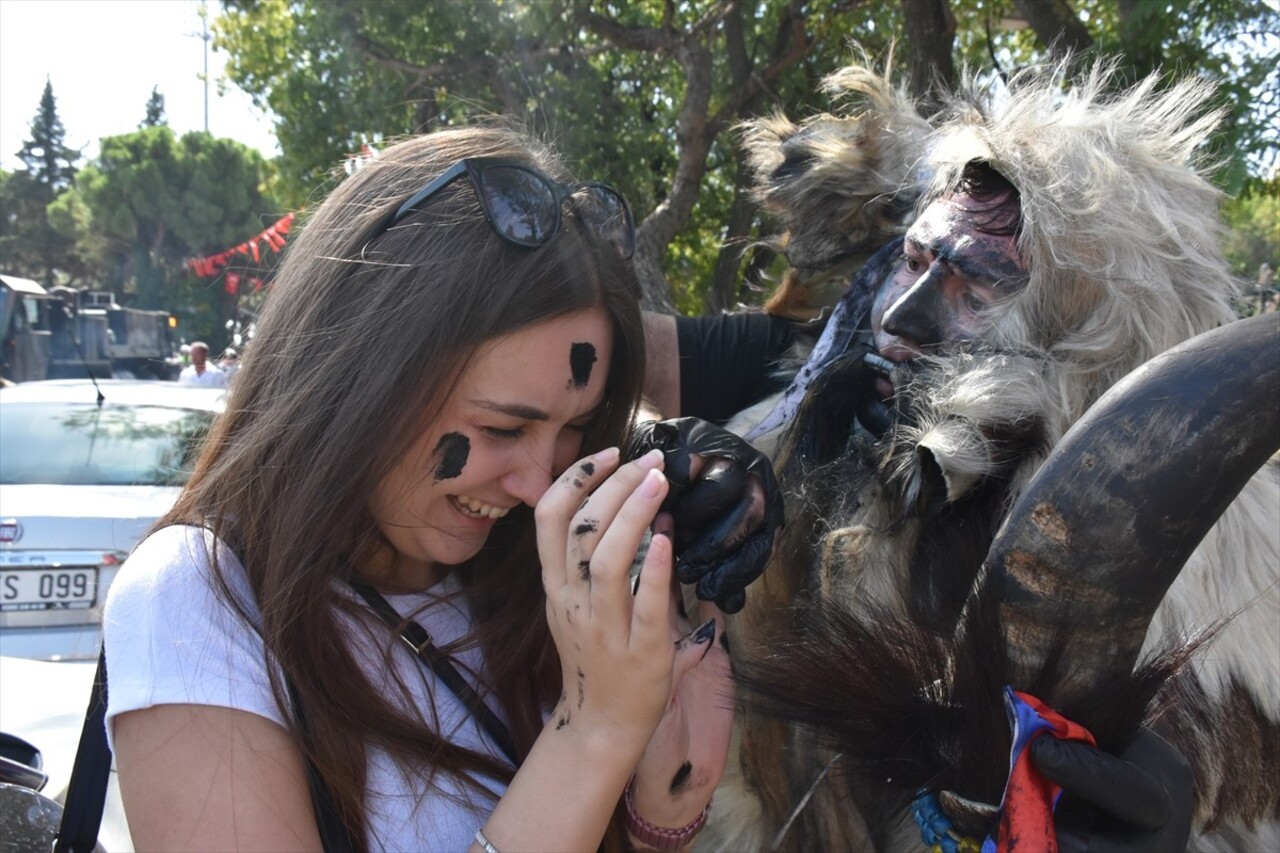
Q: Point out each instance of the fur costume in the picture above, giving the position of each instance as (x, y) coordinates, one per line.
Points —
(886, 535)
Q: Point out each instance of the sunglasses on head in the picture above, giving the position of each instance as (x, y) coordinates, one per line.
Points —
(523, 206)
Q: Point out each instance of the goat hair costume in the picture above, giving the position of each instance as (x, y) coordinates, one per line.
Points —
(873, 652)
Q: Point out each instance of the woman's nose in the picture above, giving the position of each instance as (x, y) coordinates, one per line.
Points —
(531, 475)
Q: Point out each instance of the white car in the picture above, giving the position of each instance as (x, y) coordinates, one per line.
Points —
(44, 705)
(82, 480)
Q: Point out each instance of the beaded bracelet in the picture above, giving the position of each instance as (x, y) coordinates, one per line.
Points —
(659, 837)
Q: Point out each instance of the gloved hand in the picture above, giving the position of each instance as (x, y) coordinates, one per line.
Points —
(724, 525)
(1140, 801)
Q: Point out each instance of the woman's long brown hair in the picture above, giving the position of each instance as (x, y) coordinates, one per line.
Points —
(362, 337)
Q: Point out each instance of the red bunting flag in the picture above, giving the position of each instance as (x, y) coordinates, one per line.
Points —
(213, 265)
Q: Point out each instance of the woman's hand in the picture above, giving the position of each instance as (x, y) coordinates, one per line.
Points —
(685, 758)
(616, 653)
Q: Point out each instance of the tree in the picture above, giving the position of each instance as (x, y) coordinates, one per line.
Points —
(152, 200)
(1235, 43)
(29, 245)
(1253, 244)
(155, 110)
(644, 94)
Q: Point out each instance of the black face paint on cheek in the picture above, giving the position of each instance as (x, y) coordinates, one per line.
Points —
(453, 449)
(581, 358)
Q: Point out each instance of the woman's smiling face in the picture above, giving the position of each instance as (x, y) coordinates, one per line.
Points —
(514, 420)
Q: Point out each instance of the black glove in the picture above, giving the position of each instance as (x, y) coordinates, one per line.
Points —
(1140, 801)
(721, 543)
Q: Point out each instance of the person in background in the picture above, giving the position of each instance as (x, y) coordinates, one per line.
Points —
(229, 363)
(389, 608)
(200, 371)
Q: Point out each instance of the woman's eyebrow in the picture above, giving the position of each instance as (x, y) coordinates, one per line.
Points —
(515, 410)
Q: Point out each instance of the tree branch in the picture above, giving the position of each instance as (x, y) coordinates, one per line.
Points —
(1056, 25)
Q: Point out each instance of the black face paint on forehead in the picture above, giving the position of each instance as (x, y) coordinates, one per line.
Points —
(581, 358)
(453, 449)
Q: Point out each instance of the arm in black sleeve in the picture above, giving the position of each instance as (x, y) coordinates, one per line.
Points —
(725, 361)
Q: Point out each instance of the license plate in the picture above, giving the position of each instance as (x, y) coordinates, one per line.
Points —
(48, 588)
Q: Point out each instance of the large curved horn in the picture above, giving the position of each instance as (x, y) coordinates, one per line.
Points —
(1117, 509)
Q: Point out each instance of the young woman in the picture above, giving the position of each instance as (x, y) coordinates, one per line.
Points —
(453, 328)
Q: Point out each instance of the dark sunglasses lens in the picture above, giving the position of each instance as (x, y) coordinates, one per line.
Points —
(521, 206)
(607, 213)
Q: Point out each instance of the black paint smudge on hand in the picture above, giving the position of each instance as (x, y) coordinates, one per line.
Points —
(581, 358)
(582, 692)
(584, 570)
(679, 780)
(590, 525)
(453, 450)
(588, 468)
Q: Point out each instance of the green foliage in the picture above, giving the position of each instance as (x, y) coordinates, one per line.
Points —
(1253, 244)
(151, 200)
(29, 245)
(338, 75)
(604, 80)
(1235, 43)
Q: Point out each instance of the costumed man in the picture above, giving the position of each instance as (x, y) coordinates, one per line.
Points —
(1017, 256)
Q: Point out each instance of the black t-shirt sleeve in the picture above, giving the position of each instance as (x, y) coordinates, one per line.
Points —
(725, 361)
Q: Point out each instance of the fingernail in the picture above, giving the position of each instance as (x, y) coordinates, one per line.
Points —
(704, 633)
(607, 455)
(650, 459)
(651, 485)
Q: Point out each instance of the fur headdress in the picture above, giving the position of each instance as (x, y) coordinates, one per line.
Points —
(1119, 226)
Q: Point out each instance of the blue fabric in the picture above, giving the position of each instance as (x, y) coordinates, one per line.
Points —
(841, 327)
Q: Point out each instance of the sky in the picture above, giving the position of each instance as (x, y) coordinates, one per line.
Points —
(103, 57)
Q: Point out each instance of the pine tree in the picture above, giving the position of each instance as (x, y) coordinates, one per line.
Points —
(29, 245)
(155, 110)
(47, 159)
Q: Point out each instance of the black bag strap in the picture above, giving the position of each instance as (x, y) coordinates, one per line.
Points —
(87, 791)
(333, 832)
(419, 642)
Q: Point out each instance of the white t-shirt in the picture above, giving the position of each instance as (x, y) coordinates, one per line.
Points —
(171, 640)
(213, 376)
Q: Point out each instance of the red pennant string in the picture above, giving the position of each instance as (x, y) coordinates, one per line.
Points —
(274, 236)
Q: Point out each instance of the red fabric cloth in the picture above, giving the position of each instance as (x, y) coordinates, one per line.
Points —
(1026, 812)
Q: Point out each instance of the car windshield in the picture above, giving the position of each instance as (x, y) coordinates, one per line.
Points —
(76, 445)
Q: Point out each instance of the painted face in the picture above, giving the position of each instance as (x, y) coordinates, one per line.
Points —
(949, 272)
(513, 422)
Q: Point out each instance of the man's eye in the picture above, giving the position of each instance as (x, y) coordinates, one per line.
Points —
(974, 302)
(499, 432)
(912, 264)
